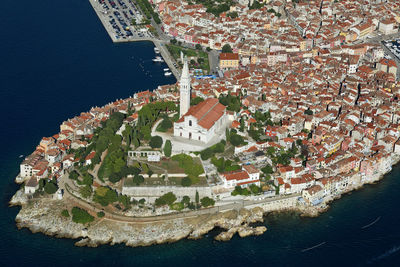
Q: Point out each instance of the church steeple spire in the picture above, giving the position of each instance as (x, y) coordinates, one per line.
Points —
(184, 88)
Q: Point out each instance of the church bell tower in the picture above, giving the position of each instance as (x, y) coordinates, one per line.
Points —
(184, 89)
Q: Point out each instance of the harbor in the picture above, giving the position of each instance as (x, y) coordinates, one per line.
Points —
(120, 31)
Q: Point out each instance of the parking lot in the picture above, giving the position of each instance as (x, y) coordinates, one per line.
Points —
(117, 17)
(394, 47)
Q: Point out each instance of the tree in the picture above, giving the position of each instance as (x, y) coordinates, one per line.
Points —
(73, 175)
(226, 49)
(233, 14)
(138, 179)
(196, 100)
(81, 216)
(197, 198)
(227, 134)
(156, 142)
(136, 142)
(308, 112)
(208, 49)
(168, 148)
(173, 41)
(124, 200)
(185, 200)
(198, 46)
(42, 182)
(186, 181)
(236, 140)
(100, 214)
(166, 199)
(50, 188)
(206, 202)
(267, 169)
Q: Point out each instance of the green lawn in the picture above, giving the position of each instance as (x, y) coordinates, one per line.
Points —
(172, 167)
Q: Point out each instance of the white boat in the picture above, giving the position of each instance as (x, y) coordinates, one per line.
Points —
(156, 50)
(168, 73)
(166, 69)
(158, 59)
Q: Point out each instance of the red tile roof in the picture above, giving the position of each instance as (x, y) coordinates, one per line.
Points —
(229, 56)
(207, 112)
(236, 175)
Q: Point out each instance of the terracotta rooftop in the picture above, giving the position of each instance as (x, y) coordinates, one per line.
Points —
(207, 112)
(229, 56)
(236, 175)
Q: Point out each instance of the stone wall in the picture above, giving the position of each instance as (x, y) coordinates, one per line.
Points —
(281, 204)
(150, 193)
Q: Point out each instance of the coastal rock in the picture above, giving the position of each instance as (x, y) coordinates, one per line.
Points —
(226, 236)
(249, 231)
(19, 198)
(259, 230)
(245, 231)
(44, 215)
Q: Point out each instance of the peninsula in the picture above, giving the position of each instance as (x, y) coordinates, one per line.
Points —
(279, 106)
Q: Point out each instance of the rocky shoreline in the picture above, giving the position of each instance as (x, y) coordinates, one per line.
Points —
(44, 215)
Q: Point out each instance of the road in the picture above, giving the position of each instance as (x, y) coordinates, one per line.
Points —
(213, 58)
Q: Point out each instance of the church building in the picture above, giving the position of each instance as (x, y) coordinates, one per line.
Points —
(200, 122)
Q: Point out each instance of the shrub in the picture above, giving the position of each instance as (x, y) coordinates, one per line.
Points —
(86, 191)
(138, 179)
(166, 199)
(206, 154)
(206, 202)
(100, 214)
(164, 125)
(167, 148)
(186, 181)
(81, 216)
(156, 142)
(105, 196)
(177, 206)
(65, 213)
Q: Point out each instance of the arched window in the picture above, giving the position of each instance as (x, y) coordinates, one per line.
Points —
(190, 123)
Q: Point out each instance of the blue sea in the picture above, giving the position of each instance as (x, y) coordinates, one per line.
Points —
(56, 60)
